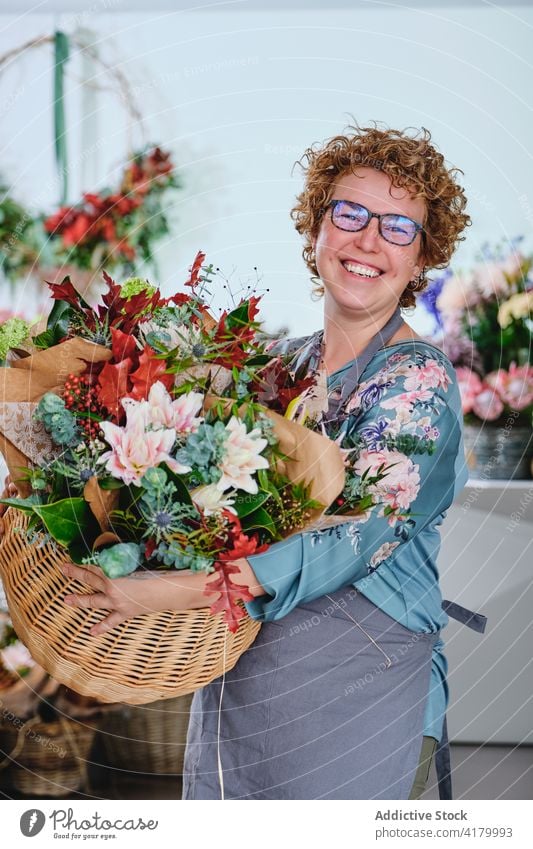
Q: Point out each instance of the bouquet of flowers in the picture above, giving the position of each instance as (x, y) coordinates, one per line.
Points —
(160, 437)
(484, 319)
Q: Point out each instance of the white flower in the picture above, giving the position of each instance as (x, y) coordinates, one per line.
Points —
(242, 458)
(16, 657)
(211, 500)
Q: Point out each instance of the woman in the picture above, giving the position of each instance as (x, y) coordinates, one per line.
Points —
(343, 693)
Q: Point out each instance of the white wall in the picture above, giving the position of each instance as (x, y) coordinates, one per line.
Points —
(238, 95)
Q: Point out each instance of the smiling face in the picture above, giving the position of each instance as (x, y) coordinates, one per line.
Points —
(361, 272)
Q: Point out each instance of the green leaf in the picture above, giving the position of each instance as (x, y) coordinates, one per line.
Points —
(25, 505)
(66, 520)
(110, 483)
(259, 360)
(238, 316)
(179, 484)
(57, 326)
(245, 504)
(262, 477)
(260, 519)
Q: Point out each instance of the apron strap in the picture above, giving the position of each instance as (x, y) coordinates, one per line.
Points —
(476, 621)
(443, 764)
(352, 378)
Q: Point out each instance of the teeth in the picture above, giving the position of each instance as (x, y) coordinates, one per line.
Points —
(363, 270)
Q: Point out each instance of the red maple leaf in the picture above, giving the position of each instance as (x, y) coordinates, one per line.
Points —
(242, 546)
(113, 386)
(123, 345)
(179, 299)
(230, 593)
(150, 370)
(275, 387)
(65, 291)
(253, 309)
(195, 269)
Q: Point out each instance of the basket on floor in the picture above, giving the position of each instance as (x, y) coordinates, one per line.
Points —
(150, 657)
(147, 738)
(41, 758)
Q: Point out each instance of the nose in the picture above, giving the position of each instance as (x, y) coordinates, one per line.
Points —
(369, 238)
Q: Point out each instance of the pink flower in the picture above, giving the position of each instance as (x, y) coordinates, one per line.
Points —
(134, 449)
(458, 293)
(401, 482)
(429, 376)
(469, 386)
(405, 401)
(487, 404)
(490, 279)
(160, 411)
(514, 387)
(242, 457)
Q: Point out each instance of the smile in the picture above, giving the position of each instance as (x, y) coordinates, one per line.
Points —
(360, 270)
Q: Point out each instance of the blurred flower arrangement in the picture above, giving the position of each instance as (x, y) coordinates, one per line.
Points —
(167, 444)
(484, 320)
(15, 659)
(116, 229)
(19, 242)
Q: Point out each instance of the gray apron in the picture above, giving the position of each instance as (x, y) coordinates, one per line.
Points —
(317, 708)
(328, 702)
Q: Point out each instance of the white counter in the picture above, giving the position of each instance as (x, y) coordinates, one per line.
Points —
(486, 564)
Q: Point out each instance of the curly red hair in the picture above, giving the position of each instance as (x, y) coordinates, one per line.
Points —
(410, 162)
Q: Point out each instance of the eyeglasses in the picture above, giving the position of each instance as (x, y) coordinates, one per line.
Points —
(396, 229)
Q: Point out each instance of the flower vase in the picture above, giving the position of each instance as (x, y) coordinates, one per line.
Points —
(501, 452)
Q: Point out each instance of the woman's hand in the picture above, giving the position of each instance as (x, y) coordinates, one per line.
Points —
(142, 592)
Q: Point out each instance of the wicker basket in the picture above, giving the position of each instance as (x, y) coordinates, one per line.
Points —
(153, 656)
(45, 758)
(148, 738)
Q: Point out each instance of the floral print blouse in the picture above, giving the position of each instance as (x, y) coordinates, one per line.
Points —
(406, 413)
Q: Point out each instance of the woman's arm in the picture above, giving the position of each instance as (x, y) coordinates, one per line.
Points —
(415, 430)
(148, 592)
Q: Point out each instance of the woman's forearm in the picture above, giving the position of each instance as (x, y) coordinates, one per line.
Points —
(186, 590)
(148, 592)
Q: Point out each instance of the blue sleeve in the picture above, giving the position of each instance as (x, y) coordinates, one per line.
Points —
(420, 451)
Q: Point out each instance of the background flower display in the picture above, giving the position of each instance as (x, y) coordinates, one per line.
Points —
(113, 228)
(484, 323)
(19, 238)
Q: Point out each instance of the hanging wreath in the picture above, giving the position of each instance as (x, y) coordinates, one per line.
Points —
(112, 228)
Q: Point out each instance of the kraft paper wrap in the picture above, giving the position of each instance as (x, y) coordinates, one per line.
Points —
(23, 442)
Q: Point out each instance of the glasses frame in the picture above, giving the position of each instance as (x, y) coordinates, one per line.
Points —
(370, 215)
